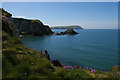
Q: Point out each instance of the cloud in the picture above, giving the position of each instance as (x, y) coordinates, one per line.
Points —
(20, 16)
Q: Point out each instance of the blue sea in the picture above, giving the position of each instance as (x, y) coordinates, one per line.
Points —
(93, 48)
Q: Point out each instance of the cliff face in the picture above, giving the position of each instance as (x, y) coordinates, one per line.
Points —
(18, 61)
(27, 27)
(31, 27)
(8, 27)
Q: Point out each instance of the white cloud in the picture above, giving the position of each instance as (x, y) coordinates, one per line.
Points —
(19, 16)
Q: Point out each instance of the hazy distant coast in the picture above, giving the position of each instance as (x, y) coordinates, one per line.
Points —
(66, 27)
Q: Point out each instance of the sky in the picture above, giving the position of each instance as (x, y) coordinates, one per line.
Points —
(60, 0)
(89, 15)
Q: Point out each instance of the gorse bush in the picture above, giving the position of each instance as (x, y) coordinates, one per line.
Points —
(38, 21)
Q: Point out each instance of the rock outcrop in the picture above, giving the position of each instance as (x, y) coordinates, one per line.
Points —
(47, 55)
(5, 13)
(56, 63)
(8, 25)
(70, 31)
(67, 32)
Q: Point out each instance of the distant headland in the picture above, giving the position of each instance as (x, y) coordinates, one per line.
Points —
(66, 27)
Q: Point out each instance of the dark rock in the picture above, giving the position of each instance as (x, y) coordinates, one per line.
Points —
(70, 31)
(28, 27)
(47, 55)
(57, 63)
(20, 48)
(5, 13)
(62, 33)
(24, 27)
(7, 27)
(67, 32)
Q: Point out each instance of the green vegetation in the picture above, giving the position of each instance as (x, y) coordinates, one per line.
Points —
(18, 61)
(22, 62)
(38, 21)
(5, 13)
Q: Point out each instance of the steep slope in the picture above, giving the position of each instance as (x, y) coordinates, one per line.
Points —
(27, 27)
(18, 61)
(31, 27)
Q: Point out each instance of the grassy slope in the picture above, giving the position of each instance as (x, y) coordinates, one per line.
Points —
(22, 62)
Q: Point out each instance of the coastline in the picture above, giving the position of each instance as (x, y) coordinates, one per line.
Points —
(20, 61)
(54, 50)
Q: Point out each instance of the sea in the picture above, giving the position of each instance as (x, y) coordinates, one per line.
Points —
(92, 48)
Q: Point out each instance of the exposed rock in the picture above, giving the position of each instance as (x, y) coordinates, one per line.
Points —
(57, 63)
(7, 27)
(47, 55)
(5, 13)
(24, 27)
(70, 31)
(67, 32)
(27, 27)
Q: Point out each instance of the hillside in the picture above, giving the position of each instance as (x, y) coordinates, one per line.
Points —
(28, 27)
(19, 61)
(31, 27)
(66, 27)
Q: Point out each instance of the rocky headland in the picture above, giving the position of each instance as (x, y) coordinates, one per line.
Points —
(67, 27)
(27, 27)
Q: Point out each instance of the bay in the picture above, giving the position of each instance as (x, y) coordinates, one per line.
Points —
(94, 48)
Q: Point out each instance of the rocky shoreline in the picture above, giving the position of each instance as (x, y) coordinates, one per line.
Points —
(12, 26)
(27, 27)
(67, 32)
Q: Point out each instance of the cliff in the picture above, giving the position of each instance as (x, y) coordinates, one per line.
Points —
(27, 27)
(20, 62)
(31, 27)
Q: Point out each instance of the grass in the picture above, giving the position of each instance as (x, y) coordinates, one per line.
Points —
(18, 61)
(38, 21)
(22, 62)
